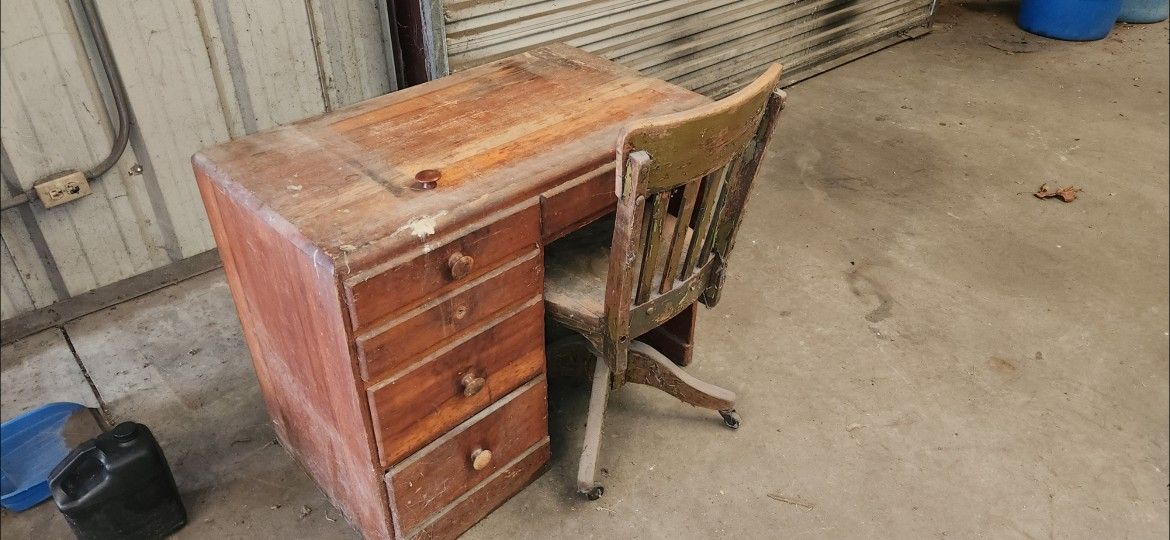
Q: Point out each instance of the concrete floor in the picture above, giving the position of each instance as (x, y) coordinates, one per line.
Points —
(922, 348)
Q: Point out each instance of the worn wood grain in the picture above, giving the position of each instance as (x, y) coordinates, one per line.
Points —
(393, 346)
(663, 164)
(489, 495)
(705, 212)
(693, 143)
(682, 228)
(345, 179)
(654, 246)
(591, 448)
(723, 239)
(434, 295)
(300, 350)
(440, 473)
(417, 407)
(576, 267)
(650, 367)
(675, 338)
(404, 283)
(576, 203)
(683, 148)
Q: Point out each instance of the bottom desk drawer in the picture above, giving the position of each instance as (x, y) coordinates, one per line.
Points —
(476, 505)
(453, 465)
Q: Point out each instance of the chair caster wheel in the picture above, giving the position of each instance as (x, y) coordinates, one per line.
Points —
(730, 418)
(594, 492)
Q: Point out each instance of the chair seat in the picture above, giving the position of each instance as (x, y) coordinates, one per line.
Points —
(576, 269)
(575, 272)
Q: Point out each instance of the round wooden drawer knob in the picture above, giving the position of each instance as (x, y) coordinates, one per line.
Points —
(460, 265)
(480, 459)
(471, 384)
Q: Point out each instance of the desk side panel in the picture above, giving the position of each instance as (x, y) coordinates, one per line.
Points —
(291, 311)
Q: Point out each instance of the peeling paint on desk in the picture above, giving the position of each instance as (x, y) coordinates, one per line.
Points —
(422, 227)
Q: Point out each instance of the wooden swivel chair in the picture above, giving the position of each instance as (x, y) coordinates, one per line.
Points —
(682, 181)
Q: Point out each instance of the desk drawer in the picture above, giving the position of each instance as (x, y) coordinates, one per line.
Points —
(577, 202)
(489, 495)
(454, 464)
(416, 407)
(406, 284)
(395, 346)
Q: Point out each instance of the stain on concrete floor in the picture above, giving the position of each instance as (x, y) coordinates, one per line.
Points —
(921, 348)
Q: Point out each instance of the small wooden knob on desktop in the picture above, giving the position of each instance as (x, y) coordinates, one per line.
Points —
(460, 265)
(480, 459)
(471, 384)
(426, 179)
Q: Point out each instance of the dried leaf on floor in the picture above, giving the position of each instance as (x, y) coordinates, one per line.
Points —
(1066, 193)
(305, 511)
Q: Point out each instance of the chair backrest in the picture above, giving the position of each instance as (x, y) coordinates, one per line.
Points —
(683, 180)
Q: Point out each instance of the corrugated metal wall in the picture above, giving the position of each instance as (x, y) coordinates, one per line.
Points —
(711, 46)
(196, 72)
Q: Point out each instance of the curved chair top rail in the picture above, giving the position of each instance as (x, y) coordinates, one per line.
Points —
(690, 144)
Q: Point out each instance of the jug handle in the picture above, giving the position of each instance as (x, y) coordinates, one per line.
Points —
(83, 451)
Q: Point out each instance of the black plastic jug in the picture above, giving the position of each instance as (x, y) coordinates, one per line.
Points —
(118, 485)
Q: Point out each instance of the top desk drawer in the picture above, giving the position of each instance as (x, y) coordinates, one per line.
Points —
(405, 285)
(577, 202)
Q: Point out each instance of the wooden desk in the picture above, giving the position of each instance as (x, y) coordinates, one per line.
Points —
(398, 333)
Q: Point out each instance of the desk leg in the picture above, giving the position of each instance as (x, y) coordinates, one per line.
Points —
(676, 338)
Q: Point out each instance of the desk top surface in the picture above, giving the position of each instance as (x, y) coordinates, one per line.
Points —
(341, 183)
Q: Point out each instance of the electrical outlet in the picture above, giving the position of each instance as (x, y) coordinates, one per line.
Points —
(62, 188)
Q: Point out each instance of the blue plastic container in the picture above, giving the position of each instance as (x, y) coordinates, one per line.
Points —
(30, 446)
(1144, 11)
(1070, 20)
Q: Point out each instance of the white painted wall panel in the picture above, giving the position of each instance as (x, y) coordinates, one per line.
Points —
(176, 108)
(197, 72)
(54, 119)
(14, 295)
(352, 51)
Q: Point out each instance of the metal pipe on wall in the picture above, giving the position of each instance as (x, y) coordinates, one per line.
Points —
(122, 134)
(121, 107)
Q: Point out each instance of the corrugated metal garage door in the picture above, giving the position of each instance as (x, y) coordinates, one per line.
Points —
(711, 46)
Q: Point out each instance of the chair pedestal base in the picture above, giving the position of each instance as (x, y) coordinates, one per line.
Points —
(598, 399)
(649, 367)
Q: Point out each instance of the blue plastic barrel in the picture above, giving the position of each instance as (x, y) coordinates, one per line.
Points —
(1070, 20)
(1144, 11)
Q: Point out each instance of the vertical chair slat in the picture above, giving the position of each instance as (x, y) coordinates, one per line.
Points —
(652, 244)
(706, 213)
(635, 270)
(724, 187)
(681, 225)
